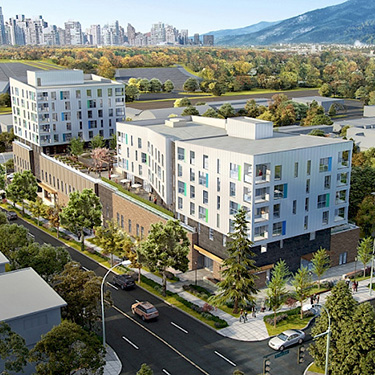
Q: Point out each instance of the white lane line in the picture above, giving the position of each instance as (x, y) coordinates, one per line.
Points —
(166, 372)
(131, 343)
(226, 359)
(115, 287)
(86, 269)
(180, 328)
(136, 301)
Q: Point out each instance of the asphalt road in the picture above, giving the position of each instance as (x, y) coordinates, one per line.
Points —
(175, 343)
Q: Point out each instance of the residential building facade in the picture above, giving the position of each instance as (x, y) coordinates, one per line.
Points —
(53, 107)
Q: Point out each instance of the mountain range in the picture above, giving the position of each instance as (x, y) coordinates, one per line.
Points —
(346, 23)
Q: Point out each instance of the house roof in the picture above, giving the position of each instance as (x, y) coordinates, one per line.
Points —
(24, 292)
(3, 259)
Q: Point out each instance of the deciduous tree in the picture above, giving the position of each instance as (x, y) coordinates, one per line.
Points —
(145, 370)
(190, 111)
(301, 283)
(97, 142)
(365, 218)
(76, 147)
(83, 210)
(191, 85)
(68, 349)
(38, 209)
(183, 102)
(12, 237)
(168, 86)
(166, 246)
(238, 269)
(321, 263)
(364, 252)
(100, 156)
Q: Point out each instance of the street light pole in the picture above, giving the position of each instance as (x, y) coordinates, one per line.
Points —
(123, 263)
(328, 333)
(372, 267)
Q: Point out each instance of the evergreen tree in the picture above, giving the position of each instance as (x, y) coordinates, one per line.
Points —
(341, 306)
(276, 292)
(320, 263)
(238, 270)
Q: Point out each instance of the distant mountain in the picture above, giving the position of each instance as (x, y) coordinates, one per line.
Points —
(344, 23)
(220, 34)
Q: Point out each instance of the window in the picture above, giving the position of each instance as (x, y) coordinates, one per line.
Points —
(192, 209)
(342, 178)
(323, 201)
(129, 226)
(137, 230)
(232, 189)
(192, 174)
(340, 214)
(203, 179)
(144, 157)
(179, 203)
(218, 202)
(278, 172)
(307, 204)
(306, 222)
(181, 187)
(260, 231)
(340, 196)
(308, 186)
(325, 164)
(247, 194)
(343, 158)
(100, 93)
(139, 143)
(233, 208)
(308, 167)
(218, 184)
(205, 162)
(277, 229)
(179, 170)
(218, 166)
(224, 240)
(325, 217)
(192, 157)
(343, 257)
(202, 213)
(276, 211)
(205, 197)
(88, 93)
(110, 93)
(234, 171)
(192, 191)
(327, 182)
(211, 234)
(296, 169)
(180, 153)
(280, 191)
(140, 169)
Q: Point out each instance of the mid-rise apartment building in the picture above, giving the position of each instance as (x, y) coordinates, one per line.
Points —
(53, 107)
(295, 188)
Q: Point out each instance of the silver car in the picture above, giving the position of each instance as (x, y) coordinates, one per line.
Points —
(287, 338)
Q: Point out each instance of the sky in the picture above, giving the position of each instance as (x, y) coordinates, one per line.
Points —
(198, 16)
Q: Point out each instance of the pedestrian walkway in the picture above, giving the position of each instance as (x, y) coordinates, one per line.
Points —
(113, 364)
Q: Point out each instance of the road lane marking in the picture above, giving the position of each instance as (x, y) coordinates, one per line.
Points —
(131, 343)
(115, 287)
(226, 359)
(86, 269)
(161, 340)
(136, 301)
(166, 372)
(180, 328)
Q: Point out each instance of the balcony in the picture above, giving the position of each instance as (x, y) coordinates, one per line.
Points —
(262, 217)
(44, 129)
(260, 233)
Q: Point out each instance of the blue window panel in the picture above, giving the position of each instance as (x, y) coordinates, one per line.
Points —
(61, 95)
(285, 190)
(330, 164)
(185, 189)
(62, 116)
(283, 232)
(327, 200)
(206, 179)
(126, 138)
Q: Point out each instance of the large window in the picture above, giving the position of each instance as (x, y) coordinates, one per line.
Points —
(180, 153)
(233, 208)
(277, 229)
(192, 191)
(192, 174)
(192, 209)
(205, 197)
(232, 189)
(203, 179)
(234, 171)
(202, 213)
(278, 170)
(192, 157)
(280, 191)
(323, 201)
(325, 164)
(179, 170)
(181, 187)
(205, 161)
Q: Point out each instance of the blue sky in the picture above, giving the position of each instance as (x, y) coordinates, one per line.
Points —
(196, 15)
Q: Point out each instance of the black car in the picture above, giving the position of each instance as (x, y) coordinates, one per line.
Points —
(124, 281)
(11, 215)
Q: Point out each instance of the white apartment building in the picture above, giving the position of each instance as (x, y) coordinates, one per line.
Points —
(206, 169)
(53, 107)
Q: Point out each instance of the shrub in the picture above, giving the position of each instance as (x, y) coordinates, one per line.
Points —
(291, 302)
(279, 318)
(207, 307)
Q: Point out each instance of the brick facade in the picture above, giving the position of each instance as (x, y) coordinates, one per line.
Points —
(344, 241)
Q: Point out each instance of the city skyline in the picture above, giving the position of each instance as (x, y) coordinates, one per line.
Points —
(198, 17)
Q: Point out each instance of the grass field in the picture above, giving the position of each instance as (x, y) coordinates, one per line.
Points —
(40, 64)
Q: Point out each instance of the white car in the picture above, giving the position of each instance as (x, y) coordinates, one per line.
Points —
(287, 338)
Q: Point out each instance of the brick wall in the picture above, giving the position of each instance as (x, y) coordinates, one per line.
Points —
(345, 241)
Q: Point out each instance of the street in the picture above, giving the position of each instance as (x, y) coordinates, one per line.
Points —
(176, 343)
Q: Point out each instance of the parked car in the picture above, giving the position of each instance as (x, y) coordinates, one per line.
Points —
(123, 281)
(145, 310)
(11, 215)
(287, 338)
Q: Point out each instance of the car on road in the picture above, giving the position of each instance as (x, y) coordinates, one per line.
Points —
(11, 215)
(287, 338)
(123, 281)
(145, 310)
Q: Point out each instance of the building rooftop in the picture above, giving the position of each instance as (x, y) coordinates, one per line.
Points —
(6, 119)
(317, 99)
(24, 292)
(358, 122)
(3, 259)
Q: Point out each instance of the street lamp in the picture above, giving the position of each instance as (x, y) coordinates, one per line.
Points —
(123, 263)
(372, 268)
(328, 333)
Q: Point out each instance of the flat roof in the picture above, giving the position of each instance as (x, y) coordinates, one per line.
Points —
(359, 122)
(317, 99)
(278, 143)
(6, 119)
(3, 259)
(23, 292)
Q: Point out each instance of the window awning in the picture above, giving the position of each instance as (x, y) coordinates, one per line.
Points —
(47, 188)
(206, 253)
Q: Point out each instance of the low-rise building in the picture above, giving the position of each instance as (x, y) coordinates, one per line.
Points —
(321, 100)
(3, 262)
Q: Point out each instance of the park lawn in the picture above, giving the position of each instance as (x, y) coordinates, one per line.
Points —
(5, 110)
(293, 321)
(190, 70)
(267, 91)
(195, 93)
(42, 64)
(314, 368)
